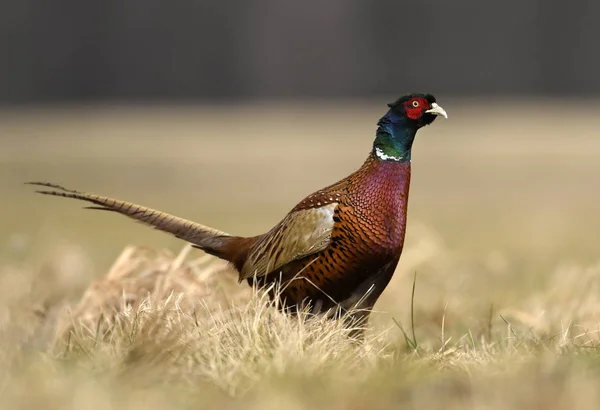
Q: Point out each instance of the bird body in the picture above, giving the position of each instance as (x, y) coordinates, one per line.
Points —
(369, 221)
(338, 248)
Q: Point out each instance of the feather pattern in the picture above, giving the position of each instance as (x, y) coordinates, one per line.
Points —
(195, 233)
(368, 231)
(299, 234)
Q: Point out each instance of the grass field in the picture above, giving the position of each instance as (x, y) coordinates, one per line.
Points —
(99, 312)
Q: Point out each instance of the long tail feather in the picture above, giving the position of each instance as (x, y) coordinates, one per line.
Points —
(203, 237)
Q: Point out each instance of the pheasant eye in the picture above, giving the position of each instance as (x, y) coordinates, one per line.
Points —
(415, 103)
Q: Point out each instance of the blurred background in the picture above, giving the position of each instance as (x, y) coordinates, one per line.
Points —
(141, 50)
(229, 113)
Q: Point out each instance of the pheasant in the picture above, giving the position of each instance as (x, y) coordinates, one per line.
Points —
(338, 248)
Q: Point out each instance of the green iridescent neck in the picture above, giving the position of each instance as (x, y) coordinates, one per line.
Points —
(394, 139)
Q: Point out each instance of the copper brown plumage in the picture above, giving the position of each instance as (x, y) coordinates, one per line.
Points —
(368, 231)
(335, 250)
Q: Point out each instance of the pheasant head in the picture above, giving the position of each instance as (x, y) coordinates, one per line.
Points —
(397, 128)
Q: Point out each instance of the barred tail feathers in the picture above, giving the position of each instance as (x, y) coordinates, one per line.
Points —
(208, 239)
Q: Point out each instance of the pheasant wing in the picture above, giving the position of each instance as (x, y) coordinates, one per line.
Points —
(300, 233)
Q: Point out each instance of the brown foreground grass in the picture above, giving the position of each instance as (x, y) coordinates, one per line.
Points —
(502, 234)
(164, 330)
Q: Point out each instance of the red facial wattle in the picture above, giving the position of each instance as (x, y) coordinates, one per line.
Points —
(415, 107)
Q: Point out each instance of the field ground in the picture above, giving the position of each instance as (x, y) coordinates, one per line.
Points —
(502, 233)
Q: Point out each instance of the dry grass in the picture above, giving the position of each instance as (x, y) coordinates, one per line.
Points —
(158, 331)
(502, 234)
(163, 318)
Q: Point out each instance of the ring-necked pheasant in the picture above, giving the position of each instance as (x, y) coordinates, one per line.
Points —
(338, 248)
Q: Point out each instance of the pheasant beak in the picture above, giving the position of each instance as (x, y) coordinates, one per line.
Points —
(437, 110)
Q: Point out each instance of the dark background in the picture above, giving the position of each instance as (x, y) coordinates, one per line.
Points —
(130, 50)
